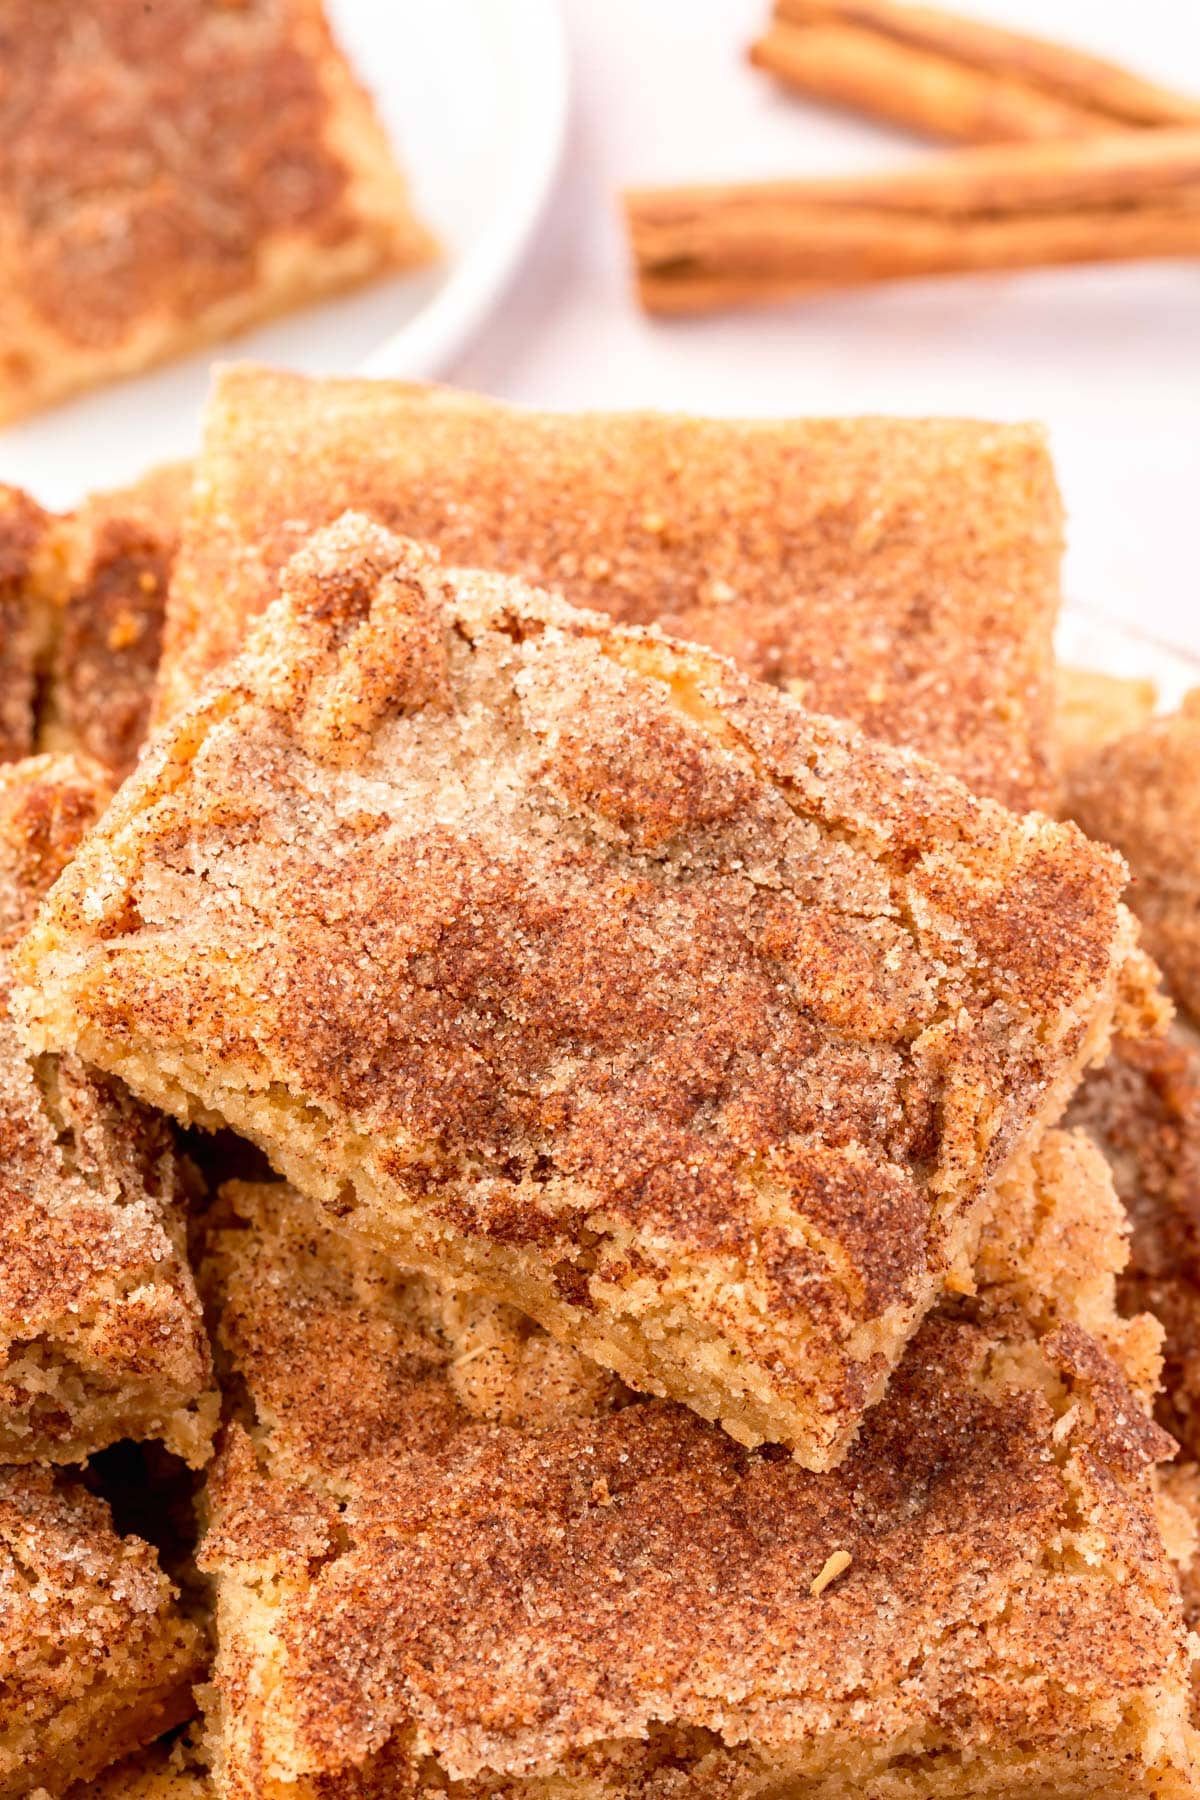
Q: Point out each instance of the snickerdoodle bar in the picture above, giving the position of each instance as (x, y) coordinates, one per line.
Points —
(571, 964)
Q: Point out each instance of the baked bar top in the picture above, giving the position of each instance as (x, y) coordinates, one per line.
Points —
(96, 1658)
(1143, 1109)
(1142, 793)
(574, 964)
(100, 1328)
(442, 1541)
(171, 173)
(899, 573)
(118, 549)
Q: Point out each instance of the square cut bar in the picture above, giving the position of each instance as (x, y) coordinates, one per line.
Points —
(96, 1657)
(82, 604)
(1142, 1106)
(571, 964)
(116, 550)
(100, 1329)
(171, 174)
(31, 579)
(1141, 792)
(1143, 1110)
(900, 573)
(451, 1556)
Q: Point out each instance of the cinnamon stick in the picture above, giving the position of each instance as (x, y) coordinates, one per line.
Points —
(956, 78)
(868, 72)
(1100, 199)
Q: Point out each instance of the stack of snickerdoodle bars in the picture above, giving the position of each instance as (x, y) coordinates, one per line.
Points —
(654, 1296)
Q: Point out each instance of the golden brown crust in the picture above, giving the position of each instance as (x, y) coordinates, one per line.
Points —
(580, 967)
(1142, 793)
(902, 574)
(100, 1328)
(118, 550)
(1143, 1109)
(528, 1581)
(174, 173)
(95, 1657)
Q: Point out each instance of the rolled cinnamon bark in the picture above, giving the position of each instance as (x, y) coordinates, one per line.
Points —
(869, 72)
(955, 77)
(1126, 196)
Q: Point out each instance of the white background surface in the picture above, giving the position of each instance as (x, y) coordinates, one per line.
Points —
(1110, 359)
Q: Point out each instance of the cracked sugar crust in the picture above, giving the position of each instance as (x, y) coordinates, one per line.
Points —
(902, 574)
(1143, 1109)
(170, 174)
(448, 1552)
(118, 549)
(100, 1328)
(96, 1658)
(1141, 792)
(573, 965)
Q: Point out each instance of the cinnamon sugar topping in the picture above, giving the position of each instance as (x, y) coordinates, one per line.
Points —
(544, 1588)
(575, 966)
(899, 573)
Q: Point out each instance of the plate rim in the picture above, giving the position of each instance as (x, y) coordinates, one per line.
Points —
(428, 344)
(1089, 637)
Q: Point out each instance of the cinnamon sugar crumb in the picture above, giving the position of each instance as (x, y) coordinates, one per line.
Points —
(835, 1565)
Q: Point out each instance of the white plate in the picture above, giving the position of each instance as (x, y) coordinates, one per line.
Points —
(474, 94)
(1090, 640)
